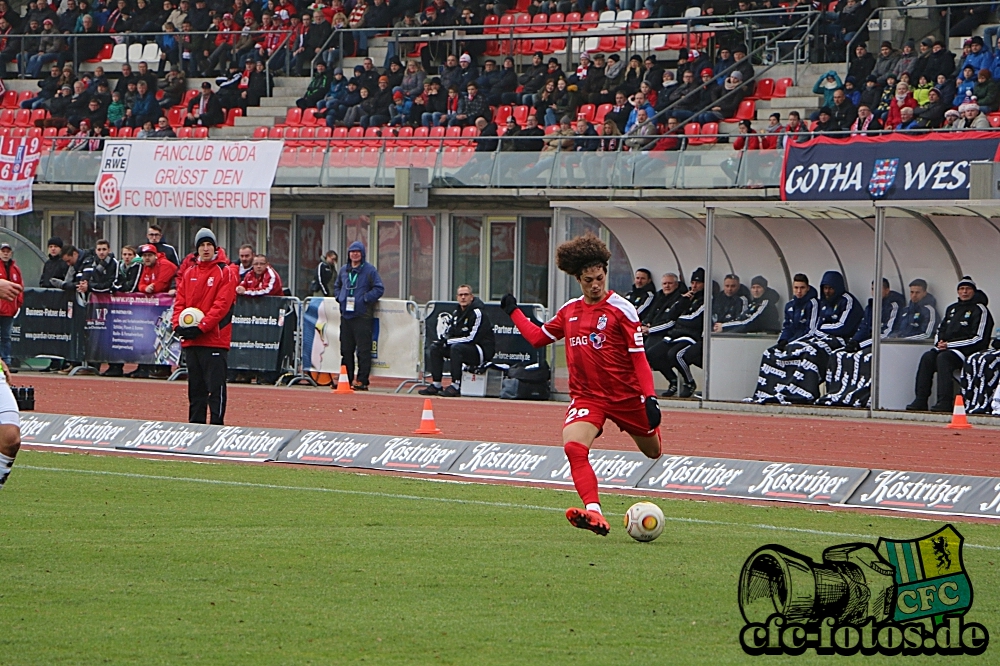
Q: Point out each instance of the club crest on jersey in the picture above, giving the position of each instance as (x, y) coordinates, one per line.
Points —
(597, 340)
(602, 322)
(211, 281)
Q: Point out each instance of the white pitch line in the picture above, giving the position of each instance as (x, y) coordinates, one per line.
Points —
(447, 500)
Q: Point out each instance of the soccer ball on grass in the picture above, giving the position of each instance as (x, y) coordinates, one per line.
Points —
(644, 521)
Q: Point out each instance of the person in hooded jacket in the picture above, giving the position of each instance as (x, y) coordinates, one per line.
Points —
(468, 342)
(918, 320)
(357, 288)
(643, 292)
(682, 347)
(964, 329)
(760, 315)
(10, 272)
(210, 286)
(840, 312)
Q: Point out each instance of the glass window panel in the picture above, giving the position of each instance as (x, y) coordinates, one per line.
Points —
(90, 229)
(62, 227)
(535, 260)
(29, 225)
(172, 234)
(279, 248)
(389, 247)
(310, 251)
(134, 229)
(466, 244)
(622, 277)
(421, 268)
(501, 259)
(242, 231)
(355, 229)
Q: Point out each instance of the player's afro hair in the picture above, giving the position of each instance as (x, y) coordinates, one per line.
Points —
(583, 252)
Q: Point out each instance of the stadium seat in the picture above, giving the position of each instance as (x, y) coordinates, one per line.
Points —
(135, 53)
(260, 133)
(293, 117)
(746, 111)
(994, 119)
(555, 21)
(501, 130)
(573, 19)
(112, 131)
(352, 158)
(764, 89)
(522, 22)
(490, 24)
(233, 115)
(540, 23)
(38, 115)
(188, 96)
(24, 96)
(151, 52)
(10, 99)
(183, 132)
(606, 19)
(707, 130)
(675, 41)
(18, 132)
(397, 156)
(370, 157)
(48, 135)
(691, 131)
(506, 23)
(7, 118)
(587, 112)
(405, 133)
(469, 133)
(119, 53)
(589, 20)
(288, 155)
(125, 132)
(602, 111)
(323, 132)
(453, 136)
(521, 113)
(420, 136)
(502, 114)
(34, 132)
(292, 136)
(551, 129)
(104, 54)
(276, 133)
(638, 17)
(436, 136)
(175, 116)
(373, 137)
(337, 157)
(22, 118)
(781, 87)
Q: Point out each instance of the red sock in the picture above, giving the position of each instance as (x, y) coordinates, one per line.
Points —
(583, 474)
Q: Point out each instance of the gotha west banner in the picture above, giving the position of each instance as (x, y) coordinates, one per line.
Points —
(894, 166)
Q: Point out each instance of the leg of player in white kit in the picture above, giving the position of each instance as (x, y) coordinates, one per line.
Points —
(10, 426)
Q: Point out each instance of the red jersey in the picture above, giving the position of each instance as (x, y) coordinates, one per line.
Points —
(604, 348)
(267, 284)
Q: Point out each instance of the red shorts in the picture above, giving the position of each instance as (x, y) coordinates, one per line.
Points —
(629, 415)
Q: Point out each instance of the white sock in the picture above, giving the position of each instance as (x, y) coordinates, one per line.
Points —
(437, 384)
(457, 384)
(5, 465)
(594, 507)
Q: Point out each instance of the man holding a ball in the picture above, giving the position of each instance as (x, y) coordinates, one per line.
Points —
(203, 312)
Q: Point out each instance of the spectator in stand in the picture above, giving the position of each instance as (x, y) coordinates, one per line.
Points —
(87, 47)
(903, 97)
(262, 280)
(642, 133)
(824, 123)
(951, 116)
(639, 103)
(531, 129)
(10, 272)
(48, 88)
(399, 110)
(842, 113)
(116, 111)
(682, 98)
(145, 108)
(940, 61)
(722, 62)
(163, 129)
(745, 68)
(51, 46)
(851, 91)
(851, 19)
(532, 79)
(470, 107)
(311, 41)
(65, 275)
(174, 86)
(963, 20)
(907, 122)
(863, 63)
(772, 133)
(357, 289)
(154, 237)
(826, 85)
(378, 109)
(468, 343)
(866, 123)
(931, 114)
(429, 106)
(341, 35)
(146, 132)
(127, 76)
(971, 117)
(673, 138)
(10, 44)
(968, 80)
(360, 112)
(319, 86)
(620, 111)
(502, 91)
(886, 63)
(192, 48)
(205, 109)
(226, 35)
(746, 139)
(97, 115)
(986, 91)
(964, 330)
(907, 59)
(979, 57)
(30, 44)
(467, 71)
(170, 52)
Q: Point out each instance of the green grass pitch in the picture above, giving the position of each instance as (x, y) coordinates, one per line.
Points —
(126, 560)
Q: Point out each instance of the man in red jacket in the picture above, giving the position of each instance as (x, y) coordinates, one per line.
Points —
(260, 280)
(210, 286)
(157, 271)
(10, 416)
(8, 271)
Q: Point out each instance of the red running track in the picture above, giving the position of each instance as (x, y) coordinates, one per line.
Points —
(855, 443)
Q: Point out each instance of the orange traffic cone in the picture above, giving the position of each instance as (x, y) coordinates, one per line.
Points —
(343, 384)
(958, 419)
(427, 425)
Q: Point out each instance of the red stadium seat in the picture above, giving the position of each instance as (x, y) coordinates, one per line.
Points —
(373, 137)
(293, 117)
(692, 130)
(175, 116)
(573, 19)
(24, 96)
(490, 24)
(405, 133)
(38, 115)
(709, 129)
(10, 99)
(587, 112)
(104, 54)
(994, 119)
(260, 133)
(49, 134)
(323, 132)
(602, 111)
(112, 131)
(502, 114)
(521, 114)
(7, 118)
(781, 87)
(675, 40)
(638, 17)
(288, 156)
(188, 96)
(276, 133)
(746, 111)
(590, 20)
(453, 136)
(356, 133)
(506, 23)
(436, 136)
(551, 129)
(420, 136)
(540, 23)
(183, 132)
(124, 132)
(307, 134)
(233, 115)
(522, 22)
(339, 137)
(555, 19)
(292, 136)
(337, 157)
(22, 118)
(370, 157)
(764, 89)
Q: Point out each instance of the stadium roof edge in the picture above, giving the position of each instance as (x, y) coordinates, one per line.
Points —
(780, 209)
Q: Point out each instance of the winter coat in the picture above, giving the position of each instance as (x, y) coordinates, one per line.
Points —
(892, 306)
(688, 314)
(906, 63)
(987, 94)
(761, 316)
(978, 61)
(841, 314)
(128, 276)
(967, 325)
(266, 284)
(641, 298)
(10, 271)
(361, 282)
(159, 275)
(53, 267)
(472, 326)
(801, 316)
(661, 305)
(917, 321)
(825, 91)
(730, 308)
(885, 65)
(209, 286)
(101, 276)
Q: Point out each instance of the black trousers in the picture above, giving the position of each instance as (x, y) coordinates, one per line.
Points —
(356, 336)
(944, 363)
(682, 355)
(658, 355)
(207, 368)
(462, 354)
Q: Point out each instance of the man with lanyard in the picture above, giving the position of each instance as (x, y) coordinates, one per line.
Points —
(357, 288)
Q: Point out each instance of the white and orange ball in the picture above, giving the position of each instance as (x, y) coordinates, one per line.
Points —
(644, 521)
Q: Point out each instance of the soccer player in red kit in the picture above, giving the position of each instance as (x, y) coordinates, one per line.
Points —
(609, 377)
